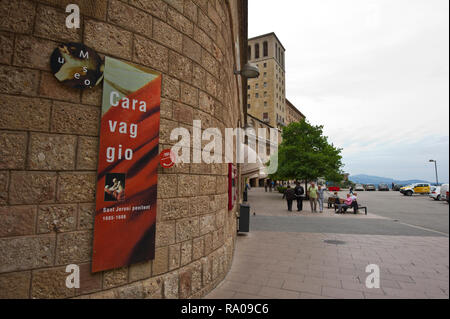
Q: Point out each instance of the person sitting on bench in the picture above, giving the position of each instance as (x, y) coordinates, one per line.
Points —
(347, 203)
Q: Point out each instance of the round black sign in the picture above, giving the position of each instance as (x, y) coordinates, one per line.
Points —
(76, 65)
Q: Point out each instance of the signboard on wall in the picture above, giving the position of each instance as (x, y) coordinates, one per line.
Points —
(124, 230)
(232, 185)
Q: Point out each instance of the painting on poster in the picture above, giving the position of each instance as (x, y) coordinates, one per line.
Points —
(124, 229)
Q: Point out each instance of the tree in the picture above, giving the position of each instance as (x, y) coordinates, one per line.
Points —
(306, 154)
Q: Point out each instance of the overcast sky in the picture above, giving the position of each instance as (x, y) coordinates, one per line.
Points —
(375, 73)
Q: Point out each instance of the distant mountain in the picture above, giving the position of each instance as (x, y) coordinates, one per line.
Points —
(369, 179)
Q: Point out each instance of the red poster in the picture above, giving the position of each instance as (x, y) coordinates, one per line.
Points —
(124, 231)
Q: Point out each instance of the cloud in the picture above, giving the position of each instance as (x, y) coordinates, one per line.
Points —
(374, 73)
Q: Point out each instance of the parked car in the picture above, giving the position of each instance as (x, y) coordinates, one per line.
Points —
(370, 187)
(359, 187)
(397, 187)
(435, 192)
(383, 187)
(444, 192)
(417, 188)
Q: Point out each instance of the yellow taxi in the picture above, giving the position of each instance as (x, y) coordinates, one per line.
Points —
(418, 188)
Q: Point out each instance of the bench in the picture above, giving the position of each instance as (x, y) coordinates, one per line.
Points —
(355, 206)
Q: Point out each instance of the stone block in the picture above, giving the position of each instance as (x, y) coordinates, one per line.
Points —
(188, 185)
(208, 185)
(166, 108)
(180, 67)
(15, 285)
(133, 291)
(108, 39)
(196, 276)
(23, 253)
(208, 243)
(6, 47)
(50, 87)
(174, 256)
(51, 24)
(130, 18)
(18, 81)
(151, 54)
(210, 63)
(13, 148)
(185, 283)
(199, 77)
(172, 209)
(167, 185)
(199, 205)
(203, 39)
(177, 4)
(73, 248)
(52, 151)
(76, 187)
(86, 213)
(152, 288)
(56, 218)
(206, 270)
(89, 282)
(186, 252)
(17, 16)
(182, 113)
(170, 88)
(192, 49)
(140, 271)
(21, 113)
(32, 187)
(179, 22)
(92, 96)
(115, 277)
(32, 52)
(157, 8)
(167, 35)
(17, 220)
(161, 261)
(50, 284)
(87, 154)
(206, 102)
(207, 224)
(187, 229)
(198, 248)
(75, 119)
(171, 282)
(165, 233)
(190, 10)
(189, 95)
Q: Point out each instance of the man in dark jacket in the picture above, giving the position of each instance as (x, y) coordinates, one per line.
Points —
(290, 196)
(299, 191)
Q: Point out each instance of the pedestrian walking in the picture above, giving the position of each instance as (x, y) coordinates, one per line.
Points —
(312, 194)
(351, 190)
(299, 191)
(270, 186)
(265, 185)
(289, 194)
(320, 198)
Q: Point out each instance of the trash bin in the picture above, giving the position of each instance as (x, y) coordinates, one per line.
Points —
(244, 218)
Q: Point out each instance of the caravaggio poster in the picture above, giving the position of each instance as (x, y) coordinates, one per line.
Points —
(124, 231)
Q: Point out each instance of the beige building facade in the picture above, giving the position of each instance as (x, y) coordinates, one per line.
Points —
(292, 113)
(266, 96)
(49, 137)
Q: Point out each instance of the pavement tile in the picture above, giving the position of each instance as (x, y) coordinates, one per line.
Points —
(278, 293)
(341, 293)
(309, 287)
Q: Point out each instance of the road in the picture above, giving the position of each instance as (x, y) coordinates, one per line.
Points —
(390, 213)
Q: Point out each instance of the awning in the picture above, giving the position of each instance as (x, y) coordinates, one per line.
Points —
(255, 169)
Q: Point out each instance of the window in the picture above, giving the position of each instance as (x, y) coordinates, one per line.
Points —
(256, 85)
(265, 65)
(265, 49)
(248, 106)
(249, 53)
(265, 116)
(248, 96)
(276, 51)
(257, 51)
(248, 87)
(265, 93)
(265, 103)
(256, 95)
(265, 74)
(265, 84)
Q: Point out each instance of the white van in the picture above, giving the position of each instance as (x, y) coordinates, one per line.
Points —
(444, 191)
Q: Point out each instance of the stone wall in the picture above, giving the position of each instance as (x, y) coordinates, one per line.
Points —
(49, 145)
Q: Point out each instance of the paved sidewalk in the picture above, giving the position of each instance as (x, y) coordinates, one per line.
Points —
(300, 265)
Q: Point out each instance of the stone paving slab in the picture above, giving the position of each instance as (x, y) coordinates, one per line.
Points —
(293, 265)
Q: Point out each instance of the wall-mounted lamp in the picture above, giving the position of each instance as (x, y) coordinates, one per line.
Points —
(249, 71)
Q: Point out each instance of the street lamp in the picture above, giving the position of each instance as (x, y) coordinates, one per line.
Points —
(435, 168)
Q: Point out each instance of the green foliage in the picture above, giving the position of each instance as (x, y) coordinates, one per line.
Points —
(281, 189)
(305, 154)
